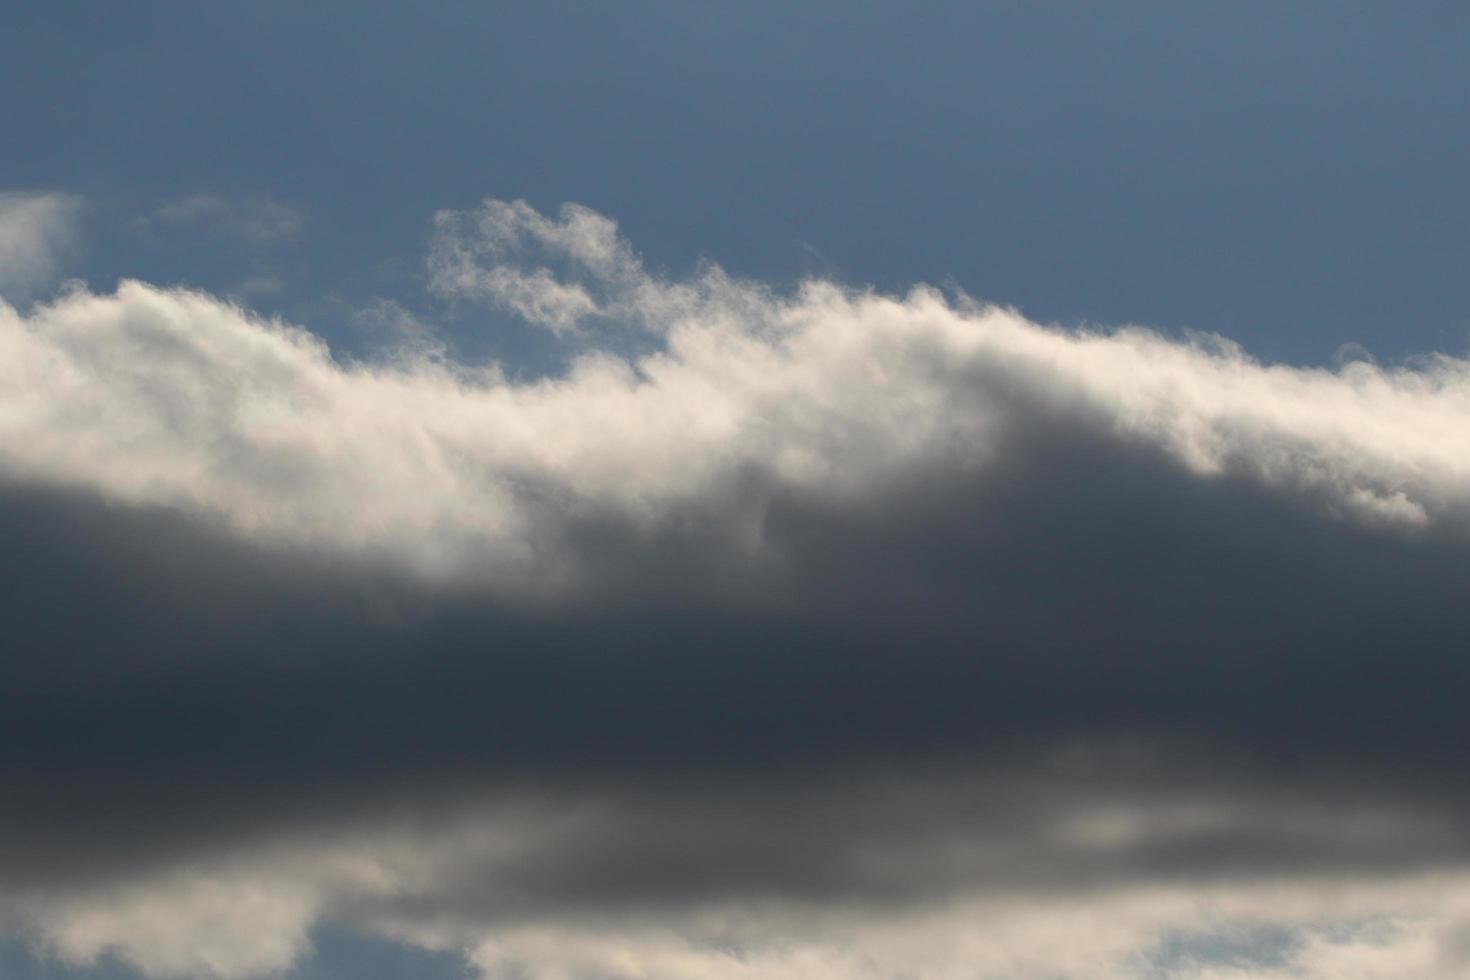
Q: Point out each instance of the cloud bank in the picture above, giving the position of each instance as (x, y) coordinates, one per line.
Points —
(172, 398)
(816, 632)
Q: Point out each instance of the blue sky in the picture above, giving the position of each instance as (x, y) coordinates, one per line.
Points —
(517, 518)
(335, 955)
(1287, 175)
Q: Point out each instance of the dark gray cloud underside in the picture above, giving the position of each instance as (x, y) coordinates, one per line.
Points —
(167, 684)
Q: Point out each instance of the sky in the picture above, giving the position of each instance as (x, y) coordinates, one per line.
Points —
(721, 491)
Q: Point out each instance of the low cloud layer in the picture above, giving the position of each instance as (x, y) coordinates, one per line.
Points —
(784, 634)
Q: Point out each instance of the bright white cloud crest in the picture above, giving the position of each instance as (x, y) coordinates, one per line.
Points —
(174, 398)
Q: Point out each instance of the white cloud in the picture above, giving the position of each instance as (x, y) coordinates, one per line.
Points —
(561, 273)
(36, 230)
(1103, 936)
(215, 925)
(174, 398)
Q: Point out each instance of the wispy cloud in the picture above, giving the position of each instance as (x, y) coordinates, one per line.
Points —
(36, 232)
(254, 220)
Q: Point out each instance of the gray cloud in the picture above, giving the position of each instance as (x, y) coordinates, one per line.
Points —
(844, 634)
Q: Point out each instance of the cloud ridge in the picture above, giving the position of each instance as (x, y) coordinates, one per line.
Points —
(174, 398)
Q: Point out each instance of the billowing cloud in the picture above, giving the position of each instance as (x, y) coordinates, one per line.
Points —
(820, 632)
(176, 399)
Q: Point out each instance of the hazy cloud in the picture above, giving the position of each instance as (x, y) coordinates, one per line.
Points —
(254, 220)
(36, 231)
